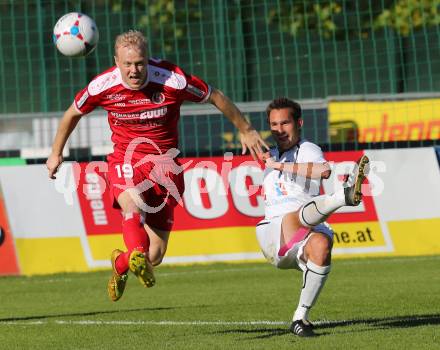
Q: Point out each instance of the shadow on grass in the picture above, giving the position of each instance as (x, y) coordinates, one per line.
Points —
(370, 323)
(260, 333)
(387, 322)
(263, 333)
(91, 313)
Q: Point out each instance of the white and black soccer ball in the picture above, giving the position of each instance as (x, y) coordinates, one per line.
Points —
(75, 34)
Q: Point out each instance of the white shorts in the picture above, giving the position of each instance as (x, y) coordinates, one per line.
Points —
(269, 237)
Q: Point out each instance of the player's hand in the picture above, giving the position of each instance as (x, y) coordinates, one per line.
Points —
(271, 163)
(53, 163)
(263, 156)
(252, 141)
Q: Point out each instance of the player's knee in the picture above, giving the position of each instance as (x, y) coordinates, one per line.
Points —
(319, 249)
(130, 203)
(129, 208)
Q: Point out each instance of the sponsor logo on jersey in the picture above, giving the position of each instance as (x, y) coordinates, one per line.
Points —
(280, 189)
(158, 98)
(120, 104)
(115, 97)
(139, 122)
(140, 101)
(82, 99)
(125, 115)
(195, 91)
(150, 114)
(155, 113)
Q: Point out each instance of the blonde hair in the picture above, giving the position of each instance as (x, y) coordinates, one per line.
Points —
(131, 38)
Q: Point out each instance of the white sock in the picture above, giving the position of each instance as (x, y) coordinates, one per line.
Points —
(320, 207)
(314, 278)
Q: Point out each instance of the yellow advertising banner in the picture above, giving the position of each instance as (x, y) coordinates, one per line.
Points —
(402, 238)
(385, 121)
(358, 235)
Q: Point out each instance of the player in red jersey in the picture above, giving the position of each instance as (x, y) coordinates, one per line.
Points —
(143, 96)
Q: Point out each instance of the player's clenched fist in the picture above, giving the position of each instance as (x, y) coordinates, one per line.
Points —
(52, 164)
(264, 156)
(269, 161)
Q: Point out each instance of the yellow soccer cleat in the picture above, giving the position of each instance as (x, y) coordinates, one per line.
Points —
(116, 283)
(353, 193)
(141, 266)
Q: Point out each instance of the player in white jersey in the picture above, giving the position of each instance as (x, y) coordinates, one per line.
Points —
(294, 234)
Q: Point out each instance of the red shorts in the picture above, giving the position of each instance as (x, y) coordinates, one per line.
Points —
(159, 180)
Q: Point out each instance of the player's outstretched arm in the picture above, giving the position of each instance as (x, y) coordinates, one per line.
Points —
(67, 124)
(249, 137)
(309, 170)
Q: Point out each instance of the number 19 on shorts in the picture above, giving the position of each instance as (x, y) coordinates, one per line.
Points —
(124, 170)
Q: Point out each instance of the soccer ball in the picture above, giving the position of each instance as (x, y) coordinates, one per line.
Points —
(75, 34)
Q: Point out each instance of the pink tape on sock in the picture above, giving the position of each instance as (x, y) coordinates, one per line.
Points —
(299, 235)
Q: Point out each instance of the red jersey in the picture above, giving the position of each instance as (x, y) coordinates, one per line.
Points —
(152, 112)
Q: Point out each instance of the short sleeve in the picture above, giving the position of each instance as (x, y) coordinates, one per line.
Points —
(84, 102)
(196, 90)
(310, 153)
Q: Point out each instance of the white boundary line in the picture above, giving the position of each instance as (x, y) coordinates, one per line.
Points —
(181, 323)
(147, 323)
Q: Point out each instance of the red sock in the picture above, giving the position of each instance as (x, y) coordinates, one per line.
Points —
(135, 237)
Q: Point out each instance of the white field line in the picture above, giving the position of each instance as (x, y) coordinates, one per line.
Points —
(195, 271)
(178, 323)
(146, 323)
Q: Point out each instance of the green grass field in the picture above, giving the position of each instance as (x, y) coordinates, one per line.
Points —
(391, 303)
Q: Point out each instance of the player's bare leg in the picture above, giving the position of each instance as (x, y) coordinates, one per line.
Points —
(317, 256)
(320, 208)
(317, 259)
(158, 244)
(142, 264)
(136, 240)
(317, 251)
(142, 268)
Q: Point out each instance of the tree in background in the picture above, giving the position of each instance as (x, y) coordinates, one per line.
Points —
(407, 15)
(167, 19)
(336, 19)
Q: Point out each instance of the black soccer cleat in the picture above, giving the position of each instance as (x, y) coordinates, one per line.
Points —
(302, 329)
